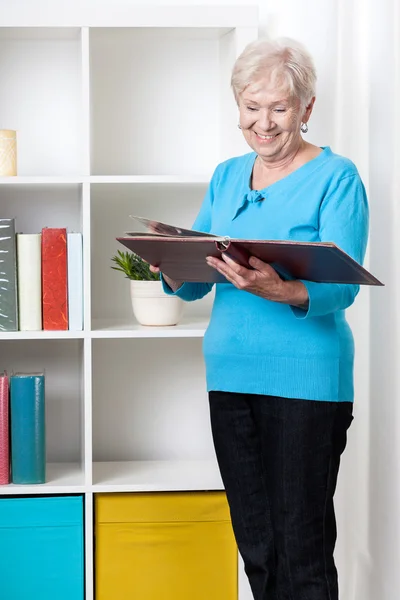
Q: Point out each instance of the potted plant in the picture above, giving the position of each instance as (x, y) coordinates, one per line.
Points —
(150, 304)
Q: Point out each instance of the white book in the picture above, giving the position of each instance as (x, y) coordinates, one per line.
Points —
(29, 274)
(75, 281)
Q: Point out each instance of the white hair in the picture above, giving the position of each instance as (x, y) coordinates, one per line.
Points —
(284, 61)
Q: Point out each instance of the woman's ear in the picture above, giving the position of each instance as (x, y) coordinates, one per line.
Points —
(308, 110)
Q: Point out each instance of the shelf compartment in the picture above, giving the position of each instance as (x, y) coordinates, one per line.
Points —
(40, 78)
(130, 15)
(155, 476)
(111, 205)
(153, 179)
(150, 401)
(41, 335)
(158, 92)
(44, 180)
(62, 478)
(187, 328)
(40, 205)
(62, 363)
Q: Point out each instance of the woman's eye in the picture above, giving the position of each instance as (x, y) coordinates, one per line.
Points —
(280, 110)
(251, 108)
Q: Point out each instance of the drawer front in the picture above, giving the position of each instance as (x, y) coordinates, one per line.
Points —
(177, 559)
(42, 560)
(163, 507)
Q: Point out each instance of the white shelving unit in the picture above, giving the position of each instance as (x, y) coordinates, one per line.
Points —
(118, 111)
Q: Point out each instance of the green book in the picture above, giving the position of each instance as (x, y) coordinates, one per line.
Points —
(8, 276)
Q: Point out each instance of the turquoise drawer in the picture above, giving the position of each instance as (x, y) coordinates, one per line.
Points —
(41, 548)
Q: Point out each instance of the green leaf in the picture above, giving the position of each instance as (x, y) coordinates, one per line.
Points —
(133, 267)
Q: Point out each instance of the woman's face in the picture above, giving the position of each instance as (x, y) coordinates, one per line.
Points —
(271, 119)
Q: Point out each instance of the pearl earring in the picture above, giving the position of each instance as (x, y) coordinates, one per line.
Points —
(304, 127)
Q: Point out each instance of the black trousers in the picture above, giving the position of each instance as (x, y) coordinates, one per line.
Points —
(279, 460)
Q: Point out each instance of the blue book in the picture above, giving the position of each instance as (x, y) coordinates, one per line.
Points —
(28, 431)
(75, 281)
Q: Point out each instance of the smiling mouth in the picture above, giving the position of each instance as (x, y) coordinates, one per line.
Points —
(266, 137)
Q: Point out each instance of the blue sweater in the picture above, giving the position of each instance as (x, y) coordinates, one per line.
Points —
(257, 346)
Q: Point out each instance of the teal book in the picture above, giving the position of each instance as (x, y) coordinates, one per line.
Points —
(8, 276)
(28, 430)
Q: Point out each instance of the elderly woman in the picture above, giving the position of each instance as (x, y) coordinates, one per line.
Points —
(279, 353)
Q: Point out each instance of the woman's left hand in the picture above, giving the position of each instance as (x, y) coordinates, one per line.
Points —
(262, 280)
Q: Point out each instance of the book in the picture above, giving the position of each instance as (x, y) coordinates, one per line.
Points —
(54, 279)
(29, 270)
(75, 281)
(8, 276)
(28, 439)
(4, 431)
(181, 254)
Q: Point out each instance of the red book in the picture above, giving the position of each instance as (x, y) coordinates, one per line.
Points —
(4, 431)
(54, 279)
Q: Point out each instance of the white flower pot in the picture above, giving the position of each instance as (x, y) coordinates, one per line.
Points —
(152, 306)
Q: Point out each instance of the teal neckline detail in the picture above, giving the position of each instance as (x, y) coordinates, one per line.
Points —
(251, 196)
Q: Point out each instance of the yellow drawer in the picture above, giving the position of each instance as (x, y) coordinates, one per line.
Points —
(164, 546)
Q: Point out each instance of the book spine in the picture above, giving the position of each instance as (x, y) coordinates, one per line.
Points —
(28, 439)
(54, 279)
(29, 269)
(4, 431)
(75, 281)
(8, 275)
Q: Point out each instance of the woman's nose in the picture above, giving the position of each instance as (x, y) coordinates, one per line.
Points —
(264, 120)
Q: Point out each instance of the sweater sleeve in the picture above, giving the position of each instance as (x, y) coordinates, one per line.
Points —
(190, 291)
(344, 220)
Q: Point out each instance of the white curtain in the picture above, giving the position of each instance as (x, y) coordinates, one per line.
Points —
(384, 186)
(356, 46)
(368, 130)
